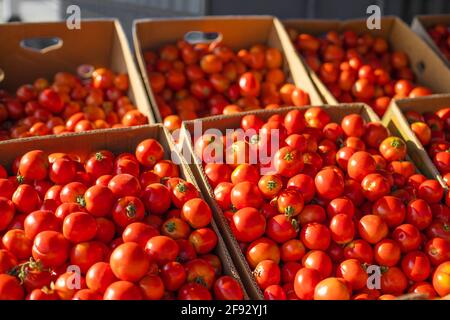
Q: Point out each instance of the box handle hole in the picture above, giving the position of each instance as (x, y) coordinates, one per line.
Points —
(194, 37)
(41, 44)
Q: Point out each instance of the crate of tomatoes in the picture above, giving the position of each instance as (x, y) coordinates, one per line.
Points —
(108, 215)
(197, 67)
(321, 203)
(424, 123)
(434, 29)
(54, 80)
(350, 63)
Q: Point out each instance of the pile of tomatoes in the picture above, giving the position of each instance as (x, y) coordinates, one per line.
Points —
(95, 99)
(359, 68)
(110, 227)
(191, 81)
(433, 131)
(441, 37)
(339, 198)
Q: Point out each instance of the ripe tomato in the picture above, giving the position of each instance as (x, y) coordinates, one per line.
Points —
(281, 228)
(7, 212)
(360, 165)
(181, 191)
(393, 148)
(249, 85)
(50, 248)
(372, 228)
(304, 184)
(10, 288)
(375, 186)
(332, 289)
(128, 210)
(318, 260)
(288, 161)
(217, 173)
(407, 237)
(34, 165)
(393, 281)
(162, 249)
(329, 184)
(100, 164)
(262, 249)
(342, 228)
(431, 191)
(246, 194)
(248, 224)
(360, 250)
(26, 199)
(17, 243)
(416, 266)
(122, 290)
(148, 152)
(390, 209)
(156, 198)
(193, 291)
(73, 192)
(419, 214)
(227, 288)
(85, 254)
(387, 253)
(123, 185)
(438, 250)
(100, 276)
(129, 262)
(441, 279)
(199, 271)
(267, 273)
(197, 213)
(99, 200)
(290, 202)
(39, 221)
(79, 227)
(315, 236)
(204, 240)
(317, 117)
(305, 282)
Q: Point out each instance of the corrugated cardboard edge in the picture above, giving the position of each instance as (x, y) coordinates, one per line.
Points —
(136, 82)
(220, 122)
(420, 24)
(297, 70)
(396, 122)
(120, 140)
(389, 25)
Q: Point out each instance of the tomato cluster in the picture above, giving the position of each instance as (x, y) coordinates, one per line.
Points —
(433, 131)
(128, 223)
(191, 81)
(338, 198)
(96, 99)
(359, 68)
(441, 37)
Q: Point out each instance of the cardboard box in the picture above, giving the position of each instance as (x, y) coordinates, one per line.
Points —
(116, 140)
(397, 124)
(421, 23)
(430, 71)
(101, 43)
(237, 31)
(232, 122)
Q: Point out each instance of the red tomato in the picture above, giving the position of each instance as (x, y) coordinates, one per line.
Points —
(139, 232)
(249, 85)
(246, 194)
(123, 185)
(441, 279)
(129, 262)
(122, 290)
(51, 248)
(393, 148)
(360, 250)
(416, 266)
(419, 214)
(393, 281)
(197, 213)
(304, 184)
(288, 161)
(85, 254)
(34, 165)
(438, 250)
(431, 191)
(248, 224)
(387, 253)
(99, 200)
(10, 288)
(407, 237)
(281, 228)
(360, 165)
(305, 282)
(79, 227)
(7, 212)
(204, 240)
(390, 209)
(227, 288)
(372, 228)
(99, 277)
(262, 249)
(181, 191)
(342, 228)
(193, 291)
(267, 273)
(162, 249)
(318, 260)
(128, 210)
(39, 221)
(26, 199)
(332, 289)
(315, 236)
(329, 184)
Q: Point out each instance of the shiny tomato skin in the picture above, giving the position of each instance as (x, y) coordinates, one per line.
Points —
(305, 282)
(332, 289)
(123, 185)
(162, 249)
(38, 221)
(34, 165)
(318, 260)
(26, 199)
(342, 228)
(390, 209)
(416, 266)
(79, 227)
(10, 288)
(280, 228)
(245, 194)
(360, 250)
(99, 200)
(227, 288)
(148, 152)
(315, 236)
(407, 237)
(248, 224)
(51, 248)
(441, 279)
(419, 214)
(122, 290)
(100, 276)
(193, 291)
(129, 262)
(372, 228)
(387, 253)
(329, 184)
(438, 250)
(262, 249)
(127, 210)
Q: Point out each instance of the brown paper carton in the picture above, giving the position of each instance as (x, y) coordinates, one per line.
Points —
(430, 71)
(237, 31)
(101, 43)
(397, 124)
(421, 23)
(116, 140)
(224, 122)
